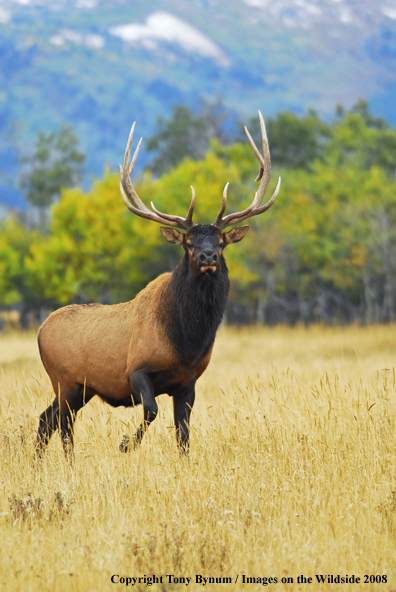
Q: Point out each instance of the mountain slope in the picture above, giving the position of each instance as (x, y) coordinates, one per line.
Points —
(100, 65)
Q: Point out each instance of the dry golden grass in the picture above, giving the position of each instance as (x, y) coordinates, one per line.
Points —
(292, 471)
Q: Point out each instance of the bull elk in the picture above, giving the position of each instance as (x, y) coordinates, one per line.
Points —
(160, 342)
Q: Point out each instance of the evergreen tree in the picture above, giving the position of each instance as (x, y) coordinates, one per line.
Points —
(55, 163)
(185, 135)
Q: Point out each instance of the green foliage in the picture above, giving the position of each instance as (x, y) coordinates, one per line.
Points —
(95, 250)
(330, 236)
(15, 242)
(362, 141)
(295, 141)
(325, 251)
(56, 163)
(184, 135)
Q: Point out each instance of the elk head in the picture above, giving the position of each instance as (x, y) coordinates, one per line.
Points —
(203, 243)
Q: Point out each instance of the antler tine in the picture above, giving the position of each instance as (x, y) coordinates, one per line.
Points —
(266, 170)
(185, 223)
(180, 222)
(265, 163)
(142, 213)
(253, 145)
(233, 219)
(264, 137)
(223, 206)
(135, 155)
(126, 170)
(129, 194)
(127, 154)
(191, 208)
(263, 176)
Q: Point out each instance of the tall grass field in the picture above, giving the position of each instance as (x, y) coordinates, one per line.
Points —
(290, 483)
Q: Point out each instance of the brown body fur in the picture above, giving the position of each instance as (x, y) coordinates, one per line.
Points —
(102, 345)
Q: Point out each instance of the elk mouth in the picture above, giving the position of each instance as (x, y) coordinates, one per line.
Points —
(206, 268)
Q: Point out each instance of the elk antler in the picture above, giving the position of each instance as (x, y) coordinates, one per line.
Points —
(137, 206)
(263, 176)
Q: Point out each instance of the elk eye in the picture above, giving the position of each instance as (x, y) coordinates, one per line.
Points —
(222, 245)
(189, 245)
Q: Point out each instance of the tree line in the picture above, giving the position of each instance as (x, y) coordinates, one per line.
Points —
(326, 250)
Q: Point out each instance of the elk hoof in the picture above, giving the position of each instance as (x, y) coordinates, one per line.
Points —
(124, 444)
(184, 451)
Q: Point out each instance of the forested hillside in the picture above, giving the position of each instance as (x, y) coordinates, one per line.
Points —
(325, 251)
(97, 66)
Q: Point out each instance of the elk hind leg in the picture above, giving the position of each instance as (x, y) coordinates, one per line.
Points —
(48, 423)
(74, 400)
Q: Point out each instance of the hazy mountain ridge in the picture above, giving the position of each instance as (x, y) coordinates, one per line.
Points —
(100, 65)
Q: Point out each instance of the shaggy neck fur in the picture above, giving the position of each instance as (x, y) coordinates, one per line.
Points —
(194, 308)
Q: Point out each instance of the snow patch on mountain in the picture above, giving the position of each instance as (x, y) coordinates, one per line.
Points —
(91, 4)
(309, 13)
(389, 12)
(89, 39)
(163, 26)
(5, 15)
(52, 3)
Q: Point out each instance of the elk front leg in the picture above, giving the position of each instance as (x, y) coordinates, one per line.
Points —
(182, 406)
(142, 392)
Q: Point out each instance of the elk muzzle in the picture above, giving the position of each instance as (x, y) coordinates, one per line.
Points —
(208, 259)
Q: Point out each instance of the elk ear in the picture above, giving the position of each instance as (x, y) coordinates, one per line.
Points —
(172, 235)
(235, 235)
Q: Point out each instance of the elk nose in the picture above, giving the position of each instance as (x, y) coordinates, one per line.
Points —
(208, 257)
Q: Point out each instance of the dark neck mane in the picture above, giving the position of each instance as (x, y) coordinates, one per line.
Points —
(193, 309)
